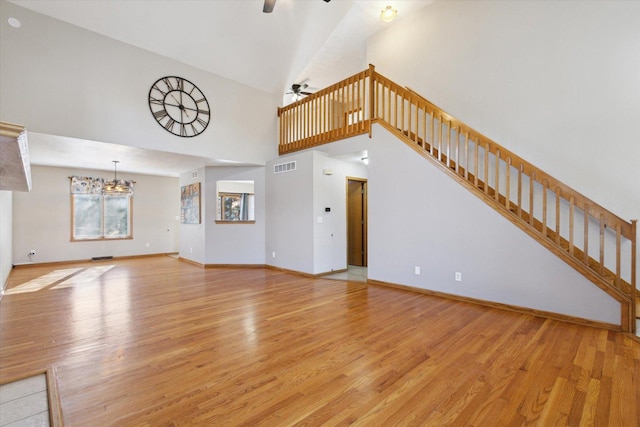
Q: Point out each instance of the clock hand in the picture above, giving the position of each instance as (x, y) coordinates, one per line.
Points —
(174, 98)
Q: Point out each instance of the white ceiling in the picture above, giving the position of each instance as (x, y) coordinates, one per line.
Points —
(308, 41)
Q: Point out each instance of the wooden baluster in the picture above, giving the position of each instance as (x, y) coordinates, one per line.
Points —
(373, 76)
(343, 108)
(544, 207)
(448, 163)
(307, 126)
(338, 112)
(358, 104)
(586, 235)
(571, 215)
(424, 129)
(318, 118)
(557, 216)
(300, 120)
(618, 254)
(458, 151)
(602, 225)
(352, 106)
(325, 115)
(476, 161)
(379, 97)
(497, 175)
(507, 191)
(296, 123)
(309, 120)
(314, 121)
(440, 138)
(417, 124)
(466, 156)
(289, 128)
(433, 132)
(330, 115)
(408, 101)
(520, 191)
(486, 168)
(290, 125)
(532, 181)
(302, 125)
(348, 107)
(397, 108)
(387, 103)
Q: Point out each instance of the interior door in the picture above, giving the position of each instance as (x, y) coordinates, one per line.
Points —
(357, 222)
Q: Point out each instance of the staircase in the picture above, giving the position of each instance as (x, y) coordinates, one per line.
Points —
(591, 239)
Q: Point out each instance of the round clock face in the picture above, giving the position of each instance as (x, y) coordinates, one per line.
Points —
(179, 106)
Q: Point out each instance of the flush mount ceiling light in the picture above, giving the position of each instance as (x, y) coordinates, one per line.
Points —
(388, 14)
(118, 187)
(14, 22)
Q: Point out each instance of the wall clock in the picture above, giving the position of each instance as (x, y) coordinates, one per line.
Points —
(179, 106)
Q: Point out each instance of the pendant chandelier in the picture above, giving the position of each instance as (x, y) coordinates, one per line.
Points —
(117, 187)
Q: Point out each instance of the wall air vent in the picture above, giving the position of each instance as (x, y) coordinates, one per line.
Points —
(194, 174)
(284, 167)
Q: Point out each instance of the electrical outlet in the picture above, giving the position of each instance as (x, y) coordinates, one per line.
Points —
(273, 254)
(32, 252)
(458, 276)
(416, 270)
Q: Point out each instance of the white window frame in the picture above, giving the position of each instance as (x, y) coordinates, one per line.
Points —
(103, 235)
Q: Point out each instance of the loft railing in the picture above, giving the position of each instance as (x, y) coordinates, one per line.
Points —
(336, 112)
(593, 240)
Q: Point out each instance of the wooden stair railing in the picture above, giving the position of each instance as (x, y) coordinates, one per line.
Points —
(594, 241)
(334, 113)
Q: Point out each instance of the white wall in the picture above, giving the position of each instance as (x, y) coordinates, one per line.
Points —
(290, 214)
(59, 79)
(42, 218)
(419, 216)
(296, 202)
(237, 243)
(6, 257)
(555, 82)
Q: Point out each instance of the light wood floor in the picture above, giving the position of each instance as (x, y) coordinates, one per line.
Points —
(154, 342)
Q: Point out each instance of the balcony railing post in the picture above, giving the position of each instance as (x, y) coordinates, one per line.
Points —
(372, 101)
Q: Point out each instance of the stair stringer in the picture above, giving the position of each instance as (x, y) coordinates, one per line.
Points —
(583, 276)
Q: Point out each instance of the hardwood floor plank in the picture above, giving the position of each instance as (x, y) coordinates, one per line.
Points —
(159, 342)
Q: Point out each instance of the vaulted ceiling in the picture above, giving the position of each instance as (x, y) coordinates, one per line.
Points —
(309, 41)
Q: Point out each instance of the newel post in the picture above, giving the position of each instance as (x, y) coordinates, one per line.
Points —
(372, 103)
(634, 262)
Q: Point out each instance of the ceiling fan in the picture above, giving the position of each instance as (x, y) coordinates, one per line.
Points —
(297, 91)
(270, 4)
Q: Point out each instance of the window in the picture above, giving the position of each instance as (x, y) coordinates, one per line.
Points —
(236, 201)
(95, 216)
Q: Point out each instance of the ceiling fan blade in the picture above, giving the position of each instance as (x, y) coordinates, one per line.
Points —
(306, 93)
(268, 6)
